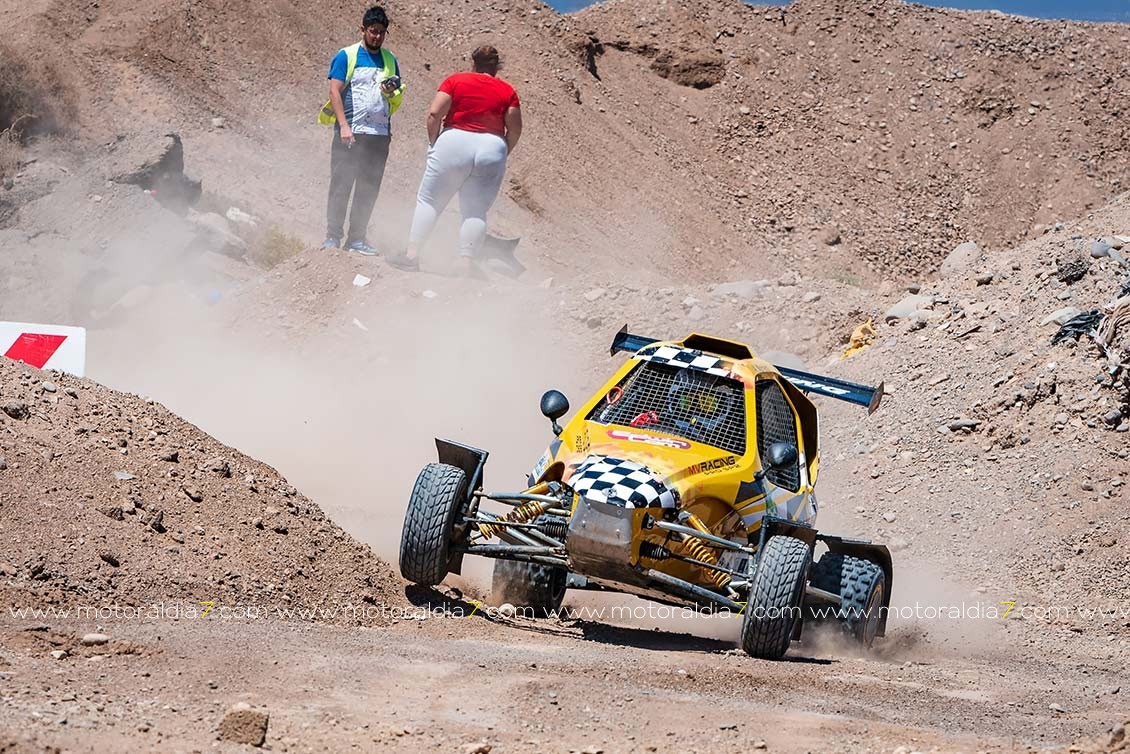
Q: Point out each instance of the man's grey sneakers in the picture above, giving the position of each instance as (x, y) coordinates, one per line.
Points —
(404, 262)
(330, 243)
(363, 248)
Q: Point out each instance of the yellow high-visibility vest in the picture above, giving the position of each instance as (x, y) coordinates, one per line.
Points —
(326, 115)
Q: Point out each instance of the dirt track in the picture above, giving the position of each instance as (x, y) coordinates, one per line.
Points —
(532, 686)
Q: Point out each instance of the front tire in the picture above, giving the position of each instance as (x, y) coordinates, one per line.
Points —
(539, 588)
(862, 587)
(437, 498)
(775, 597)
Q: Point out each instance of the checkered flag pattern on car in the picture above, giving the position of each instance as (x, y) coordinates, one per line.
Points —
(685, 357)
(620, 482)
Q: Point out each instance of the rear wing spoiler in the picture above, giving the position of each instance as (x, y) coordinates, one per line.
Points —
(860, 395)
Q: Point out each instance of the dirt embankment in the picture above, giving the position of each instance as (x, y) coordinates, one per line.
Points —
(110, 501)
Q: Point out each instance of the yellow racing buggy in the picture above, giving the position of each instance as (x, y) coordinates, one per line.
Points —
(687, 479)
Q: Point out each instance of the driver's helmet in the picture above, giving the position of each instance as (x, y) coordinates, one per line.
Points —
(696, 406)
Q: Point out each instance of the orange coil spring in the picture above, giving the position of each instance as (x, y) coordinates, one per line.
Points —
(696, 549)
(522, 514)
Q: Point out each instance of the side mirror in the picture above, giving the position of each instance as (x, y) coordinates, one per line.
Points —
(554, 405)
(781, 455)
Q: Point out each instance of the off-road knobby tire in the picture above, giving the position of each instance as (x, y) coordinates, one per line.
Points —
(425, 543)
(862, 587)
(536, 587)
(775, 597)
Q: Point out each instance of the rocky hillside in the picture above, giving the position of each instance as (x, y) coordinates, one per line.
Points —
(839, 139)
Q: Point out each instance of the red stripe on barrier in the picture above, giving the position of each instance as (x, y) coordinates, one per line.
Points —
(34, 349)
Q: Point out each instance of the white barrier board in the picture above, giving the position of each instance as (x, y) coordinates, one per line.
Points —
(45, 346)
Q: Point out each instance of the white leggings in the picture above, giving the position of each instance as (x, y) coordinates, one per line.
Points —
(472, 164)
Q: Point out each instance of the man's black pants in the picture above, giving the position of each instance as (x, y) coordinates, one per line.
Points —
(359, 169)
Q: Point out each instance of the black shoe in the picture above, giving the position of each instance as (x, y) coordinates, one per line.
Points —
(404, 262)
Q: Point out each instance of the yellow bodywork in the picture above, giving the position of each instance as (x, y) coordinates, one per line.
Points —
(718, 489)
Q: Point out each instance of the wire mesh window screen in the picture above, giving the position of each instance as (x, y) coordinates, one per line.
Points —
(682, 402)
(776, 423)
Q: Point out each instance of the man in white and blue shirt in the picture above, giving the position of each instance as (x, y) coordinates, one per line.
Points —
(365, 90)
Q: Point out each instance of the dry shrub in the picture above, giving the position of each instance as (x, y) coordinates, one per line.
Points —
(9, 153)
(33, 96)
(274, 247)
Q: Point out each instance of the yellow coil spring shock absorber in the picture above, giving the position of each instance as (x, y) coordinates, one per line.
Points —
(524, 513)
(698, 550)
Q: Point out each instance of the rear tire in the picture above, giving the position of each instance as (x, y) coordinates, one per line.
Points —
(425, 542)
(862, 587)
(775, 597)
(534, 586)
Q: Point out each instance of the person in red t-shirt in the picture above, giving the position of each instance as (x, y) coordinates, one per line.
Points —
(474, 123)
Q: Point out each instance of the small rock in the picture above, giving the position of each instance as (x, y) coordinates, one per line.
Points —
(9, 184)
(739, 288)
(914, 287)
(960, 258)
(594, 294)
(3, 463)
(1062, 418)
(695, 314)
(218, 122)
(1071, 270)
(1054, 707)
(811, 297)
(59, 654)
(429, 294)
(744, 110)
(18, 410)
(476, 748)
(728, 726)
(71, 392)
(1113, 417)
(984, 278)
(760, 745)
(830, 235)
(967, 425)
(1060, 316)
(1100, 249)
(94, 640)
(244, 725)
(156, 521)
(890, 517)
(110, 558)
(506, 610)
(48, 386)
(907, 306)
(124, 476)
(221, 467)
(194, 494)
(173, 456)
(113, 512)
